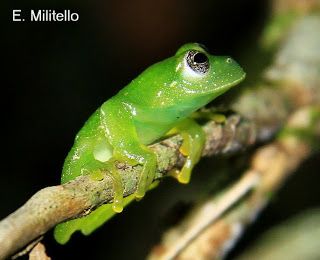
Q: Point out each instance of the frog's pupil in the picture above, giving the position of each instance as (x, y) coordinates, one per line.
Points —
(200, 58)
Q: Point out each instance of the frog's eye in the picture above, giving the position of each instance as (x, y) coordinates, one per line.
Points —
(197, 61)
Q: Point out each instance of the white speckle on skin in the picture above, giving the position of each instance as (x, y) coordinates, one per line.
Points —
(173, 84)
(131, 108)
(134, 112)
(76, 156)
(178, 67)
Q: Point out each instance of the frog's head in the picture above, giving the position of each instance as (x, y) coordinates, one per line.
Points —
(188, 80)
(205, 74)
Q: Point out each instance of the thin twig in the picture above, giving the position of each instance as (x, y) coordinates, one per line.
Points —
(201, 236)
(39, 253)
(27, 249)
(211, 211)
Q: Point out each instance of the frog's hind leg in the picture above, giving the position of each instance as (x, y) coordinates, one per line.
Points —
(192, 146)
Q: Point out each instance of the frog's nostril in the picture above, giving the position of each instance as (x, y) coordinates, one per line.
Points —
(229, 60)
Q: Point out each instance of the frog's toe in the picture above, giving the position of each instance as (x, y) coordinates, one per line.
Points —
(117, 188)
(117, 205)
(141, 189)
(185, 174)
(147, 175)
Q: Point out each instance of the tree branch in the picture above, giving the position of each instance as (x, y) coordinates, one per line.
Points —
(53, 205)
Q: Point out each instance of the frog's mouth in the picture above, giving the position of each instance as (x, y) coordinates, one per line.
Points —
(193, 103)
(232, 84)
(216, 91)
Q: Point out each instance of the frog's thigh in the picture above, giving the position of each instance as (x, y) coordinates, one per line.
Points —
(192, 146)
(122, 135)
(209, 115)
(103, 152)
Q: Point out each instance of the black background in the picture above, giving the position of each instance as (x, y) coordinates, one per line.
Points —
(55, 75)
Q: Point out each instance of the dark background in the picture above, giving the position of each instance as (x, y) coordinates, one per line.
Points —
(56, 74)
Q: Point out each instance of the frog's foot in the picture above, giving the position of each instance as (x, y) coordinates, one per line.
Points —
(113, 172)
(149, 162)
(96, 169)
(208, 114)
(193, 142)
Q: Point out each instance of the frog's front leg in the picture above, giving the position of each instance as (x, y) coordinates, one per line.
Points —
(121, 133)
(192, 146)
(136, 153)
(95, 170)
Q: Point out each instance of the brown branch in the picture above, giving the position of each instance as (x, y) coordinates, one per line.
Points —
(53, 205)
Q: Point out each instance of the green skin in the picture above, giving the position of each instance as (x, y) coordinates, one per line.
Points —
(159, 101)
